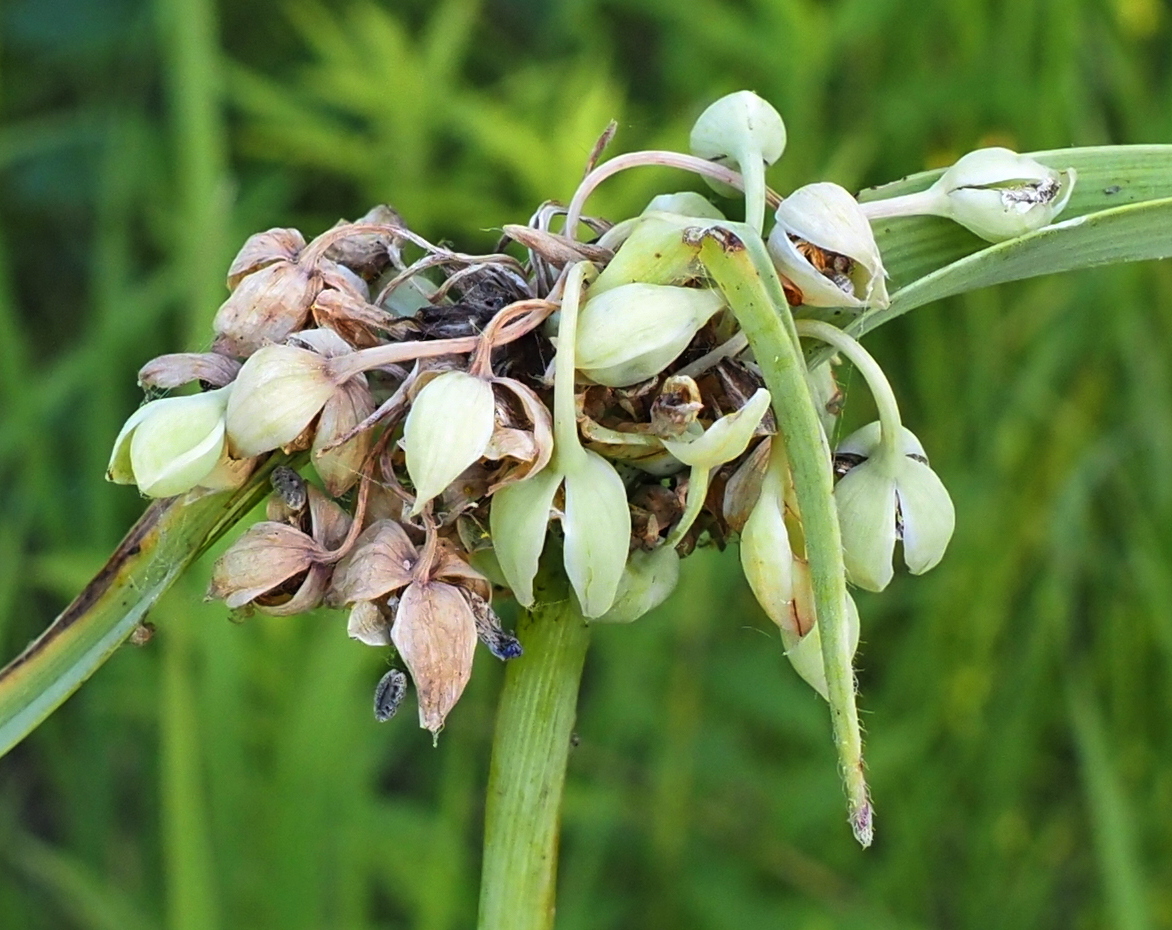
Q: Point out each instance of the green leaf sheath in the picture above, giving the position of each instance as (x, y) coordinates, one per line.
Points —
(739, 265)
(534, 725)
(167, 538)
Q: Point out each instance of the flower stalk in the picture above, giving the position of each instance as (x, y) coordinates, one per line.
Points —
(534, 727)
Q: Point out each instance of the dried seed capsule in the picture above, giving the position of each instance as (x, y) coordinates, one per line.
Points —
(388, 695)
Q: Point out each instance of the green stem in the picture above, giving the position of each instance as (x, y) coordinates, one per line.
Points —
(736, 259)
(890, 424)
(534, 726)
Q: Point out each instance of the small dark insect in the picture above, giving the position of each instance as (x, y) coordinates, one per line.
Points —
(575, 739)
(291, 488)
(388, 695)
(1113, 189)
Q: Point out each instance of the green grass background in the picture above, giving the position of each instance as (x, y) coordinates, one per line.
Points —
(1018, 699)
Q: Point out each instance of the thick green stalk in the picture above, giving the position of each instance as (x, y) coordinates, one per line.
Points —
(736, 259)
(534, 725)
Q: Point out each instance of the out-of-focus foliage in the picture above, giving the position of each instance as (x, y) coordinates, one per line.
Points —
(1017, 698)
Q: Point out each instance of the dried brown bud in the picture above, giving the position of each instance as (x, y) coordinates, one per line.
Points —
(367, 253)
(265, 308)
(278, 568)
(172, 371)
(262, 560)
(676, 407)
(380, 563)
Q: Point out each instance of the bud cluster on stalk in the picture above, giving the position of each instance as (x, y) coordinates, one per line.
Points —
(452, 424)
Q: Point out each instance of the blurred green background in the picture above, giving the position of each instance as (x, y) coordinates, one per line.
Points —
(1018, 699)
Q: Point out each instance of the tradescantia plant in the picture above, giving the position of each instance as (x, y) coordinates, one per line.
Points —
(562, 421)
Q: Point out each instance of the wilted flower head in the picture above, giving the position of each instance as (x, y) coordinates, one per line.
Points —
(823, 245)
(889, 493)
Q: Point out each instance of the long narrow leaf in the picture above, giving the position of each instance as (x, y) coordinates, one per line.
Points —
(165, 540)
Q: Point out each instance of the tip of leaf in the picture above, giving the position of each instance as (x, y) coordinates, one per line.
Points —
(862, 821)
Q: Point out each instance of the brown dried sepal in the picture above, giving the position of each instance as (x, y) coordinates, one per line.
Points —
(744, 487)
(555, 248)
(347, 407)
(358, 322)
(369, 624)
(172, 371)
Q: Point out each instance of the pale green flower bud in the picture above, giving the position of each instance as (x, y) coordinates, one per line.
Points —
(767, 557)
(448, 428)
(279, 390)
(805, 652)
(684, 203)
(993, 192)
(633, 332)
(823, 244)
(890, 495)
(597, 527)
(653, 252)
(745, 132)
(724, 440)
(518, 522)
(648, 581)
(169, 446)
(1000, 195)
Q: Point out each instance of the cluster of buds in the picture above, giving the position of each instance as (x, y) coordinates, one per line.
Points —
(589, 405)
